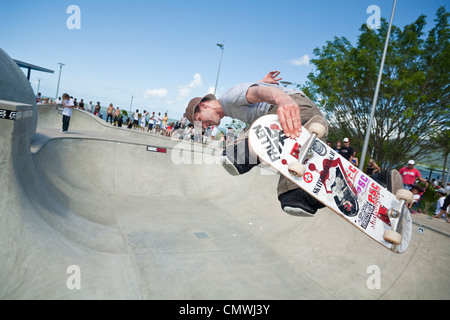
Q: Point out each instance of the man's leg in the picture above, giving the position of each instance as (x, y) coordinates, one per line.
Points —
(237, 158)
(294, 200)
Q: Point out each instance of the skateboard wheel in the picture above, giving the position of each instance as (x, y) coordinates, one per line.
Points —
(318, 129)
(392, 237)
(296, 169)
(403, 194)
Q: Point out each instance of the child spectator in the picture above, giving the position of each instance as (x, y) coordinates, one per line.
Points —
(438, 213)
(415, 204)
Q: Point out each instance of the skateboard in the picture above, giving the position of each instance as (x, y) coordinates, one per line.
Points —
(334, 181)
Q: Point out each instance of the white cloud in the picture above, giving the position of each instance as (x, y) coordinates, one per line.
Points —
(160, 93)
(302, 61)
(185, 90)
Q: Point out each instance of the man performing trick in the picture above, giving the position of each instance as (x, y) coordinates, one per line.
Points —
(247, 102)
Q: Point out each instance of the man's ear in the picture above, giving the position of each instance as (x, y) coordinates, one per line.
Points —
(202, 106)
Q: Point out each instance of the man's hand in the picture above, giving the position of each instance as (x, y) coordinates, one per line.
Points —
(288, 110)
(271, 77)
(289, 116)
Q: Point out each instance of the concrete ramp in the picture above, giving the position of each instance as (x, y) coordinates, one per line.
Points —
(94, 215)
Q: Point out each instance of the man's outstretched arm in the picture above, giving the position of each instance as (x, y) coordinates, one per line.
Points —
(288, 110)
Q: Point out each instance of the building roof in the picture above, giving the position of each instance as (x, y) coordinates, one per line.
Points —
(30, 67)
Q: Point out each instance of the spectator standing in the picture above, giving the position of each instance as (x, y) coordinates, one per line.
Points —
(354, 159)
(151, 122)
(410, 174)
(372, 168)
(97, 109)
(164, 124)
(230, 135)
(109, 113)
(136, 119)
(445, 208)
(67, 112)
(338, 146)
(158, 121)
(183, 121)
(439, 213)
(346, 151)
(116, 116)
(81, 105)
(143, 120)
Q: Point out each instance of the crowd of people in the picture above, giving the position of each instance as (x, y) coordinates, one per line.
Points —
(412, 180)
(143, 121)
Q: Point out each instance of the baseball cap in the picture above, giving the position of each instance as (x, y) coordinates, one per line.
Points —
(190, 110)
(411, 162)
(345, 140)
(442, 190)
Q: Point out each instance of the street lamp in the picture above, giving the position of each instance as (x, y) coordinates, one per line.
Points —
(59, 78)
(220, 45)
(131, 104)
(39, 85)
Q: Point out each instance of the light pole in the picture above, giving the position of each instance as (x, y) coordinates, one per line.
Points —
(220, 45)
(375, 98)
(59, 78)
(131, 104)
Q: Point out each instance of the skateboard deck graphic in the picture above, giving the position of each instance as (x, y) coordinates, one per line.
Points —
(334, 181)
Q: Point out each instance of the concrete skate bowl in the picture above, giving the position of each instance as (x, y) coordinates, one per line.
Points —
(136, 224)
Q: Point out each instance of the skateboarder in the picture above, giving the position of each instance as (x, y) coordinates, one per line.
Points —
(247, 102)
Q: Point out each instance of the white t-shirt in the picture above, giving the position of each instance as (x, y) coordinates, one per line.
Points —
(235, 105)
(67, 111)
(439, 204)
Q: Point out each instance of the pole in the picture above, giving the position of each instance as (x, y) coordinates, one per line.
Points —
(375, 98)
(59, 78)
(220, 63)
(131, 104)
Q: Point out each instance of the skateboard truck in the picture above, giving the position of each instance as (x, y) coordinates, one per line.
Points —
(297, 169)
(393, 236)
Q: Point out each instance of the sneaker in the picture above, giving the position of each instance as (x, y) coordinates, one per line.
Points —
(236, 159)
(299, 203)
(60, 131)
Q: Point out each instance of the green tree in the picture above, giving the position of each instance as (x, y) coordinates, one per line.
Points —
(441, 144)
(413, 102)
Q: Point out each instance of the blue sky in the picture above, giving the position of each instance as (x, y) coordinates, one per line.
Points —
(164, 52)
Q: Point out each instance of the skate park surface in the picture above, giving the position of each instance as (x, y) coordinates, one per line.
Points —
(141, 225)
(137, 224)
